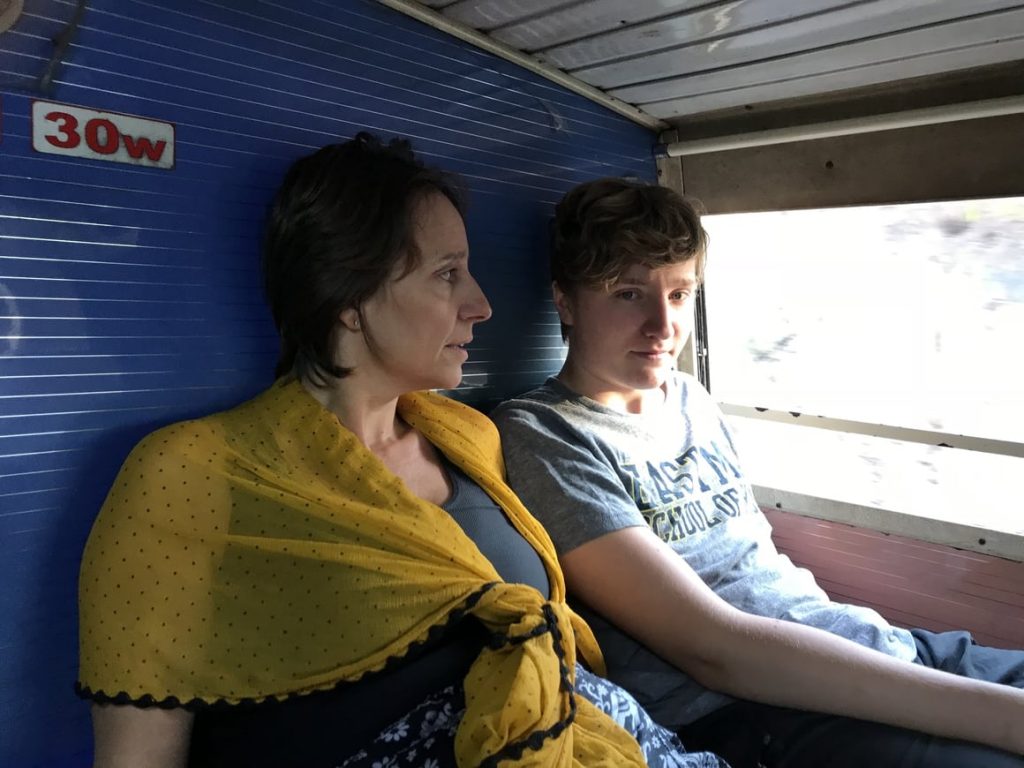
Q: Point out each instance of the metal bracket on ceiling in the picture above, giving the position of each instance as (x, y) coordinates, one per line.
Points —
(10, 10)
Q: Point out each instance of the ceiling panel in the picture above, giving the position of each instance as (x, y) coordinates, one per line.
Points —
(944, 47)
(828, 82)
(593, 17)
(808, 32)
(676, 58)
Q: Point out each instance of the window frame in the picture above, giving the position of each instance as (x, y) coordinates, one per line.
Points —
(946, 162)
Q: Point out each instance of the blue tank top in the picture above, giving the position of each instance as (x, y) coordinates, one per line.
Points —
(324, 728)
(493, 533)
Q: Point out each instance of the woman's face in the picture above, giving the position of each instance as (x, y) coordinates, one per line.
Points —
(418, 325)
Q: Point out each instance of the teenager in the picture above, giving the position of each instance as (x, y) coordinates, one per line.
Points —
(630, 466)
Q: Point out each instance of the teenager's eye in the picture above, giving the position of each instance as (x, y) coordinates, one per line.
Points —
(680, 295)
(627, 295)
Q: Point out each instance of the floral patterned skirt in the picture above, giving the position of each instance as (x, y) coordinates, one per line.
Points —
(425, 737)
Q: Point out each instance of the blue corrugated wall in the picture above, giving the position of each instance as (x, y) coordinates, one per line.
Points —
(130, 297)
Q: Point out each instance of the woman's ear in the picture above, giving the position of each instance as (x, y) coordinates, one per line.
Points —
(563, 303)
(350, 319)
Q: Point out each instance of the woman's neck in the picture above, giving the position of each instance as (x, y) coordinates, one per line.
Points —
(371, 418)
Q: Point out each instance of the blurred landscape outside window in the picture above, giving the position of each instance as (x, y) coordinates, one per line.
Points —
(904, 315)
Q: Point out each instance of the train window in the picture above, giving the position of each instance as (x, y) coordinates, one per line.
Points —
(894, 326)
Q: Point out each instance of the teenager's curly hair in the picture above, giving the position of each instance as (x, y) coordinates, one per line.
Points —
(603, 227)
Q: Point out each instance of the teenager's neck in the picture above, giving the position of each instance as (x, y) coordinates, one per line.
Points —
(624, 400)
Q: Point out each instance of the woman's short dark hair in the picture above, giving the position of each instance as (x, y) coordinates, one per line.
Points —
(603, 227)
(339, 227)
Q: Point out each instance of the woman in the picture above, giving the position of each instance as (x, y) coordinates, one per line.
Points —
(337, 568)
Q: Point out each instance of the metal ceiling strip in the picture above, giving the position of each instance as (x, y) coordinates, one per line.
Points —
(1011, 105)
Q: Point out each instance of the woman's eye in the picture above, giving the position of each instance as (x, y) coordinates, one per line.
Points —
(448, 274)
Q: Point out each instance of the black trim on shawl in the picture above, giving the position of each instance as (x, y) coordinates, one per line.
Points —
(513, 751)
(173, 702)
(536, 740)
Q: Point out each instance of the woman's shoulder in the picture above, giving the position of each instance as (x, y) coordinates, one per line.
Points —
(168, 465)
(181, 441)
(205, 436)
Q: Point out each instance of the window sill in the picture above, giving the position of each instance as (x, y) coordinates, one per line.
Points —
(1000, 543)
(961, 498)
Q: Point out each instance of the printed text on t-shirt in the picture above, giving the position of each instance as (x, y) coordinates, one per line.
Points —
(697, 491)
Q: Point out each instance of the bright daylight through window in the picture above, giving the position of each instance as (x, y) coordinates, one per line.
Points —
(908, 316)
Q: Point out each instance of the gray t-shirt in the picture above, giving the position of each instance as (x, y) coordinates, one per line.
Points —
(585, 470)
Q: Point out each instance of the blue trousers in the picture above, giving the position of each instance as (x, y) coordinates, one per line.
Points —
(751, 735)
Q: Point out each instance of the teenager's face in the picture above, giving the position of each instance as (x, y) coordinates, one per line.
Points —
(420, 323)
(627, 337)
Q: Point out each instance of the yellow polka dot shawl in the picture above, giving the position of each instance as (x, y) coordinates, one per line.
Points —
(263, 552)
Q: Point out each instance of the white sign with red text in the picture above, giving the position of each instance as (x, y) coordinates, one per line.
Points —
(61, 129)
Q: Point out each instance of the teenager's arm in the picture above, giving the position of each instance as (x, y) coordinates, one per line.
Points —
(637, 582)
(131, 737)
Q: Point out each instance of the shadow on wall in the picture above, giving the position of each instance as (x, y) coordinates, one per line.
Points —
(199, 348)
(521, 341)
